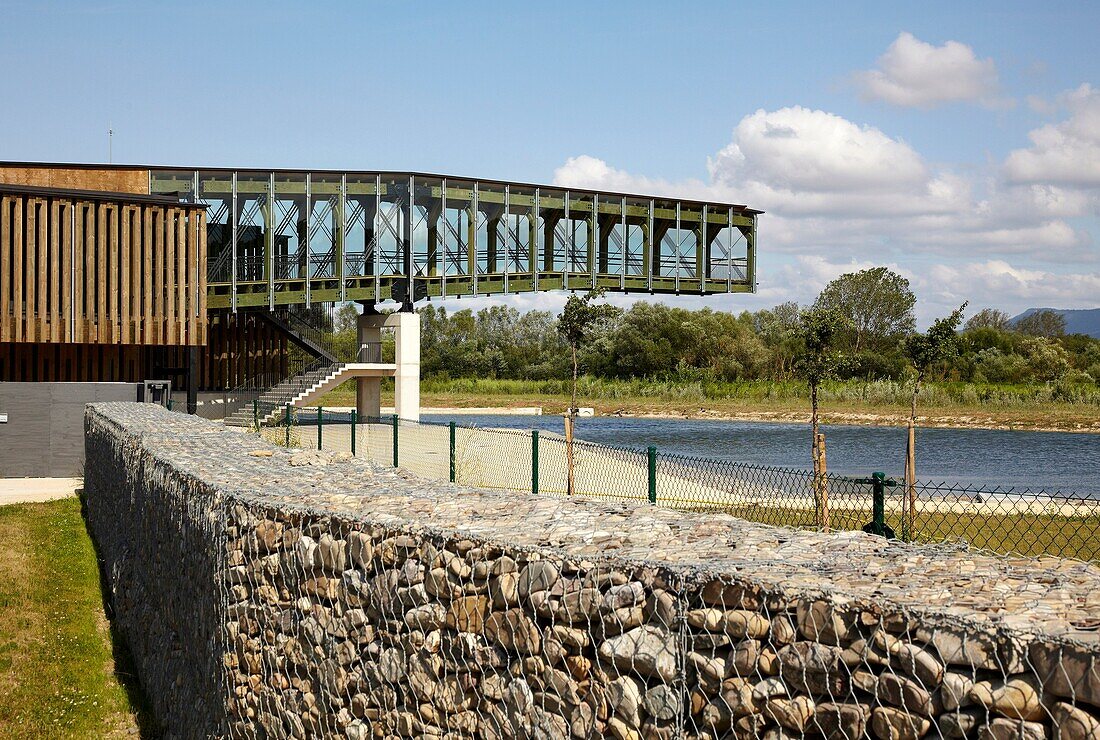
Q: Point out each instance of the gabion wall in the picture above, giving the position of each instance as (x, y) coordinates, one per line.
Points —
(272, 593)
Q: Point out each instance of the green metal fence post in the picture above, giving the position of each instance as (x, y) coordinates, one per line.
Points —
(256, 414)
(395, 440)
(878, 524)
(353, 424)
(320, 424)
(534, 461)
(652, 474)
(452, 446)
(286, 418)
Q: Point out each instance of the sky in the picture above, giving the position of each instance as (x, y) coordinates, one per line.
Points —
(957, 143)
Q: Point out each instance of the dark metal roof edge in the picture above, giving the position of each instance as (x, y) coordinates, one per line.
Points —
(299, 171)
(97, 195)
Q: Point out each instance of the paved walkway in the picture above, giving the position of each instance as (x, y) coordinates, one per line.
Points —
(32, 490)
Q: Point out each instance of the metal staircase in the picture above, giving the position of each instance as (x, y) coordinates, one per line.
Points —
(269, 405)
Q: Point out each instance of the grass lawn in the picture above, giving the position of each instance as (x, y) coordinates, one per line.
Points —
(61, 674)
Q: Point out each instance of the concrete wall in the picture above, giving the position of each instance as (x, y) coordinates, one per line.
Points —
(44, 434)
(273, 593)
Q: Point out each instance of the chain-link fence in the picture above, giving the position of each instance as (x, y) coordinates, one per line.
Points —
(1002, 520)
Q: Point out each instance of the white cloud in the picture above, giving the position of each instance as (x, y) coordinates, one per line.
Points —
(998, 283)
(1065, 153)
(914, 73)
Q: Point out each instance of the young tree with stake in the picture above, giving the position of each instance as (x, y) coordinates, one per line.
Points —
(819, 330)
(924, 351)
(579, 321)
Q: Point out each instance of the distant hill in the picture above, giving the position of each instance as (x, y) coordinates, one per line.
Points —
(1078, 321)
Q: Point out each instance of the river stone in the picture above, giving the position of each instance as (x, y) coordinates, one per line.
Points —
(917, 662)
(825, 622)
(626, 699)
(504, 590)
(1074, 723)
(895, 724)
(782, 631)
(813, 668)
(426, 617)
(626, 594)
(662, 702)
(621, 730)
(750, 727)
(729, 595)
(571, 637)
(647, 650)
(268, 535)
(513, 630)
(1068, 671)
(737, 693)
(769, 688)
(905, 693)
(835, 720)
(960, 723)
(791, 714)
(974, 649)
(1002, 728)
(578, 606)
(1016, 698)
(539, 575)
(467, 613)
(743, 658)
(331, 553)
(955, 690)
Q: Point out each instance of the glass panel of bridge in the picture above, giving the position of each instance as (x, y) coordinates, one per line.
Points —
(455, 227)
(580, 221)
(521, 202)
(637, 226)
(289, 219)
(216, 192)
(390, 224)
(323, 226)
(427, 200)
(490, 251)
(610, 242)
(252, 215)
(359, 220)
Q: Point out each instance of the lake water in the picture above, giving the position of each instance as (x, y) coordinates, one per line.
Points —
(1036, 460)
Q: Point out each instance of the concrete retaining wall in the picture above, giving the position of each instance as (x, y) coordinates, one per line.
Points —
(275, 593)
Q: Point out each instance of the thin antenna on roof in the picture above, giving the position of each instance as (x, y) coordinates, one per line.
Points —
(110, 144)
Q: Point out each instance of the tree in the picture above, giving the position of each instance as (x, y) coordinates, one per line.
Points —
(988, 318)
(925, 351)
(877, 303)
(581, 318)
(819, 330)
(1042, 323)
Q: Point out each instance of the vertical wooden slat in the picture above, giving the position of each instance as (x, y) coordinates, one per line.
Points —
(124, 275)
(78, 274)
(90, 274)
(170, 273)
(135, 275)
(201, 273)
(17, 270)
(114, 273)
(6, 313)
(65, 308)
(57, 271)
(182, 276)
(147, 249)
(158, 281)
(30, 271)
(102, 317)
(44, 271)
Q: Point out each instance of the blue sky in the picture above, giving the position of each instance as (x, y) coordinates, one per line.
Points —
(956, 142)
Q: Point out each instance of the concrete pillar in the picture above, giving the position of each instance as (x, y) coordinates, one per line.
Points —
(368, 391)
(407, 356)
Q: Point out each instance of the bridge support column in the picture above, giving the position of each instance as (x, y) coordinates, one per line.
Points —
(406, 394)
(368, 391)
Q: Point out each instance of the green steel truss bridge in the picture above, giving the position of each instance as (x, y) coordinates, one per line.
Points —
(288, 237)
